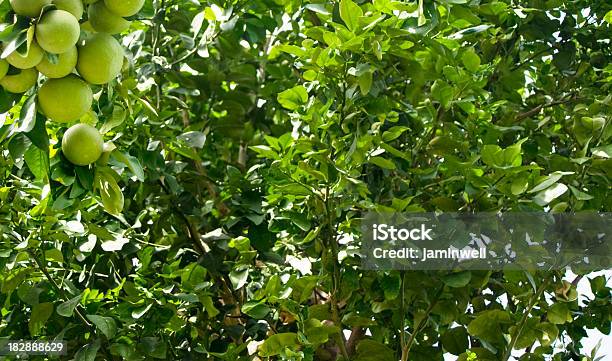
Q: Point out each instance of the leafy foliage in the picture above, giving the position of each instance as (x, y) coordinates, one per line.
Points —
(251, 135)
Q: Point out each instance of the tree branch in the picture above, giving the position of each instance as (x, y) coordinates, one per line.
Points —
(536, 110)
(519, 328)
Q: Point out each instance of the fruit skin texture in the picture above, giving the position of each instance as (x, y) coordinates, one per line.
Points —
(65, 99)
(34, 57)
(75, 7)
(21, 82)
(105, 21)
(57, 31)
(29, 8)
(100, 59)
(124, 7)
(82, 144)
(4, 67)
(66, 63)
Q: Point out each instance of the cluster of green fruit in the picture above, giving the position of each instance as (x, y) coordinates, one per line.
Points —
(71, 63)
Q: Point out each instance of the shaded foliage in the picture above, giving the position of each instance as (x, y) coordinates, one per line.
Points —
(250, 136)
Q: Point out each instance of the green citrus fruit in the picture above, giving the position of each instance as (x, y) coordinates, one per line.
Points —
(20, 82)
(29, 8)
(124, 7)
(57, 31)
(105, 21)
(86, 26)
(4, 67)
(86, 2)
(100, 59)
(65, 99)
(598, 60)
(35, 55)
(63, 66)
(75, 7)
(82, 144)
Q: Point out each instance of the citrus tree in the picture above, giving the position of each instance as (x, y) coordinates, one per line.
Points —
(185, 180)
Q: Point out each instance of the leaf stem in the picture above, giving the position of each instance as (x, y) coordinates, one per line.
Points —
(419, 326)
(519, 327)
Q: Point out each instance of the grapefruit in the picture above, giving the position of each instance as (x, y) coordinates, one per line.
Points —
(63, 66)
(57, 31)
(29, 8)
(20, 82)
(104, 20)
(100, 59)
(4, 67)
(34, 56)
(65, 99)
(75, 7)
(124, 7)
(82, 144)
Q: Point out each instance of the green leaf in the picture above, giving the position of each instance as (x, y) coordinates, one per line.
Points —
(239, 277)
(27, 116)
(546, 196)
(489, 325)
(442, 92)
(193, 139)
(365, 82)
(110, 193)
(88, 352)
(106, 325)
(39, 316)
(580, 195)
(548, 181)
(318, 8)
(38, 162)
(455, 340)
(317, 332)
(154, 347)
(559, 314)
(209, 306)
(18, 37)
(469, 31)
(495, 156)
(528, 334)
(548, 333)
(293, 98)
(519, 185)
(66, 309)
(256, 310)
(38, 135)
(131, 162)
(115, 120)
(12, 280)
(382, 162)
(370, 350)
(350, 14)
(471, 60)
(608, 17)
(54, 255)
(603, 151)
(457, 280)
(394, 133)
(152, 111)
(391, 286)
(277, 343)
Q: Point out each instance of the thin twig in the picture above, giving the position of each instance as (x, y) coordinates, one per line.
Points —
(519, 328)
(536, 110)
